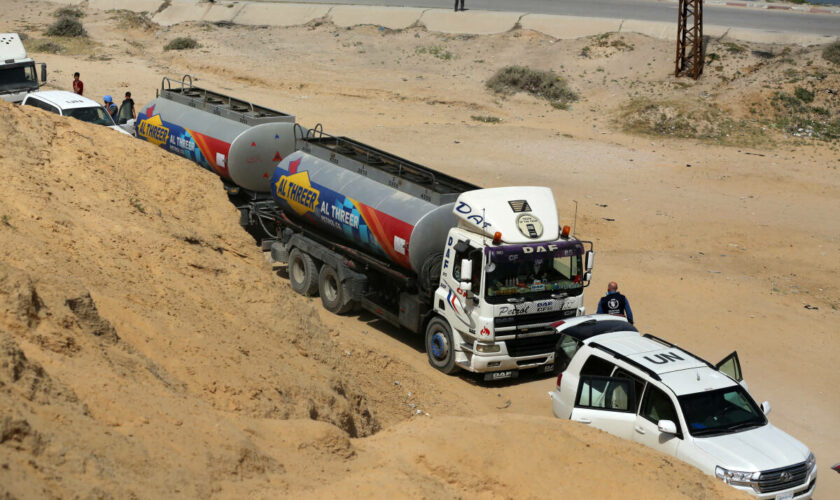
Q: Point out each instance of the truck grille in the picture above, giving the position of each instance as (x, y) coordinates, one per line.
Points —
(782, 479)
(530, 346)
(532, 319)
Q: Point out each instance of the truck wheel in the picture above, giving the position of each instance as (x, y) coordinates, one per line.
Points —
(303, 273)
(439, 346)
(331, 291)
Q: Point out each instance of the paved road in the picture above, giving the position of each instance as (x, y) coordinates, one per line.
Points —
(648, 10)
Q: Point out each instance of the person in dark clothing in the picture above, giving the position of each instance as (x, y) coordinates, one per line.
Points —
(615, 303)
(110, 107)
(456, 5)
(129, 103)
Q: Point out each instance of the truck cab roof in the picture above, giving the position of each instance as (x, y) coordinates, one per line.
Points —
(11, 48)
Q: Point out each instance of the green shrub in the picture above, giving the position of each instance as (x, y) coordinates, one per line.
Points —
(68, 27)
(804, 95)
(544, 84)
(182, 43)
(47, 47)
(486, 119)
(72, 12)
(832, 53)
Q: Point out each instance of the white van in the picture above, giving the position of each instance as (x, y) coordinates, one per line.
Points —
(645, 389)
(64, 103)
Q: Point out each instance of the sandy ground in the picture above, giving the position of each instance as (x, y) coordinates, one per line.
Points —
(200, 373)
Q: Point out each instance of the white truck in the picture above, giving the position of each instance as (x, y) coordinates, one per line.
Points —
(484, 274)
(18, 76)
(648, 390)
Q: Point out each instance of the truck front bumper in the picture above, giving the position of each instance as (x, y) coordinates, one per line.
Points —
(501, 365)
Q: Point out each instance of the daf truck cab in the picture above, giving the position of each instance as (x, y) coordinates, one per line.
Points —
(18, 75)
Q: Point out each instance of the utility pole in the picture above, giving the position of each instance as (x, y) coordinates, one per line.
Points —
(690, 39)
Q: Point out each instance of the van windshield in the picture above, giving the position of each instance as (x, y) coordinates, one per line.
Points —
(722, 411)
(93, 114)
(533, 270)
(17, 77)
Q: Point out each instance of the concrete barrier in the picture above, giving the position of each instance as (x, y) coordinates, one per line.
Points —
(132, 5)
(181, 13)
(654, 29)
(287, 14)
(223, 12)
(566, 28)
(395, 18)
(471, 22)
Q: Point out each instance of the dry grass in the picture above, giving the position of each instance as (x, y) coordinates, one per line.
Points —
(543, 84)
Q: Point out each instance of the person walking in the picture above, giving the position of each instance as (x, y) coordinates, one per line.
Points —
(615, 303)
(456, 5)
(78, 86)
(110, 107)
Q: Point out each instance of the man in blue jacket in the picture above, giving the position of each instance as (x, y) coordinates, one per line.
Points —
(615, 303)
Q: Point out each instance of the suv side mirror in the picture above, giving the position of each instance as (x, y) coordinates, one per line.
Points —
(43, 72)
(667, 427)
(765, 407)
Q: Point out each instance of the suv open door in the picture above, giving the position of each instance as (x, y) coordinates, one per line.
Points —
(731, 366)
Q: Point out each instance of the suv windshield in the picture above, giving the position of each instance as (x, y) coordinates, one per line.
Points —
(16, 77)
(93, 114)
(533, 270)
(721, 411)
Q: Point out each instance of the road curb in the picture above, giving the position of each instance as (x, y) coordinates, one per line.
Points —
(474, 22)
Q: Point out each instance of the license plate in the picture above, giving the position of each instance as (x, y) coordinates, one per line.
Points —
(548, 368)
(500, 375)
(785, 496)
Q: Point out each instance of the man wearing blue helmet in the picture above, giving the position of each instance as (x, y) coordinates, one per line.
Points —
(110, 107)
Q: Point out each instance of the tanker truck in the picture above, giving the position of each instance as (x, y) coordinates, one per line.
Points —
(484, 274)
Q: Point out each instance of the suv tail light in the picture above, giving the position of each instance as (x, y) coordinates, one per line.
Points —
(560, 379)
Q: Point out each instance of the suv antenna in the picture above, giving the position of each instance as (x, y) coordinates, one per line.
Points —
(574, 224)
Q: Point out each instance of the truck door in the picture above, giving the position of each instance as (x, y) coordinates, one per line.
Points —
(461, 303)
(657, 406)
(608, 403)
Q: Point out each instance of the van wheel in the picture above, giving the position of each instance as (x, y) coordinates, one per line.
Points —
(303, 273)
(439, 346)
(331, 291)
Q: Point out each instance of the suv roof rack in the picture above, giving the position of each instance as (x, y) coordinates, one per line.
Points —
(627, 360)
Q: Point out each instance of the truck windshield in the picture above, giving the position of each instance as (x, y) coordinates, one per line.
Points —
(534, 271)
(18, 76)
(722, 411)
(93, 114)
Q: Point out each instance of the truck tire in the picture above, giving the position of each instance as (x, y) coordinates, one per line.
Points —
(439, 346)
(331, 291)
(303, 273)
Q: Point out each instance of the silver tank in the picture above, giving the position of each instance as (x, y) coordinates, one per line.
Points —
(385, 205)
(235, 139)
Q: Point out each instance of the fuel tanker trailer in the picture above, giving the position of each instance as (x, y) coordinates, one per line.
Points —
(485, 274)
(239, 141)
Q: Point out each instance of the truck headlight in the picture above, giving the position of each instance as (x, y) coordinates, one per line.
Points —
(736, 478)
(487, 348)
(811, 462)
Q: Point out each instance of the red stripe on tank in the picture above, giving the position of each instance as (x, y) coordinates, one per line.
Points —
(384, 229)
(209, 146)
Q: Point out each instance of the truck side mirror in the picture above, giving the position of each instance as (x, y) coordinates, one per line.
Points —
(587, 277)
(667, 427)
(43, 72)
(590, 260)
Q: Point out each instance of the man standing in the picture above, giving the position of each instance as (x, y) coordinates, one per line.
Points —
(615, 303)
(78, 86)
(128, 102)
(110, 107)
(456, 5)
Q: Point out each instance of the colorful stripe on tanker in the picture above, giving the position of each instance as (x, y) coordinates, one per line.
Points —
(208, 152)
(359, 223)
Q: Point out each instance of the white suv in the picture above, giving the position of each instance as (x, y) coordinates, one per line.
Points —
(62, 102)
(650, 391)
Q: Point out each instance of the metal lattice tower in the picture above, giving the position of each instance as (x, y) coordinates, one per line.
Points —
(690, 39)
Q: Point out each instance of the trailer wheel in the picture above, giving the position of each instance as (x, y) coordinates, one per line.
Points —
(331, 291)
(439, 346)
(303, 273)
